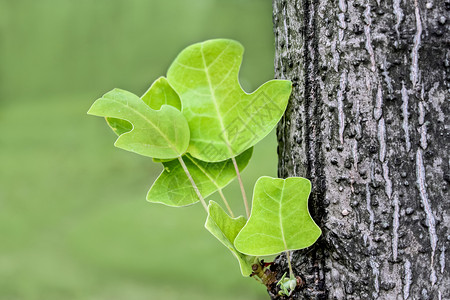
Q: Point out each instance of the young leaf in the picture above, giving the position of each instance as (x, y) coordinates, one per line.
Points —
(225, 229)
(223, 119)
(160, 133)
(161, 93)
(173, 187)
(280, 220)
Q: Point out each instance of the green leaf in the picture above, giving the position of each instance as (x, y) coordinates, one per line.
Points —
(225, 229)
(160, 133)
(161, 93)
(224, 120)
(280, 220)
(173, 187)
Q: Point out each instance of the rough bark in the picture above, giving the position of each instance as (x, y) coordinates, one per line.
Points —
(368, 124)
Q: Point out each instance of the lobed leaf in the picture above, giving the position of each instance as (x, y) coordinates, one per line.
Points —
(225, 229)
(173, 187)
(224, 120)
(280, 220)
(160, 133)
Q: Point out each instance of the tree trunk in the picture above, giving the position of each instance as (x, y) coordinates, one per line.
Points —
(368, 124)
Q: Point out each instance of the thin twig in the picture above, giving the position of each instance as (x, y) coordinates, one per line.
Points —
(180, 159)
(226, 203)
(247, 210)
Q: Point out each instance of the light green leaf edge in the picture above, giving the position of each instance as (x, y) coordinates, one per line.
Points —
(224, 120)
(225, 229)
(160, 133)
(280, 219)
(173, 187)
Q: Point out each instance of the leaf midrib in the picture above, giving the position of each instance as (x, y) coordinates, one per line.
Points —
(213, 95)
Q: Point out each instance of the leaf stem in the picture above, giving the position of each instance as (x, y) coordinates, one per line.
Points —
(180, 159)
(226, 203)
(247, 211)
(288, 257)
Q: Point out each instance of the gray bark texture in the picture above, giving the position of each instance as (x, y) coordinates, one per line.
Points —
(368, 124)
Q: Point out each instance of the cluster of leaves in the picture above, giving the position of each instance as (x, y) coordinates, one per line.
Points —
(201, 125)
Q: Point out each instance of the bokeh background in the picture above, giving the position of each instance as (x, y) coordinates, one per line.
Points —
(74, 223)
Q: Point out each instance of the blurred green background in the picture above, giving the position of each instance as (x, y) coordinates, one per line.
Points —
(74, 223)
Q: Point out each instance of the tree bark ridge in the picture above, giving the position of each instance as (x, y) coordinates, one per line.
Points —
(368, 124)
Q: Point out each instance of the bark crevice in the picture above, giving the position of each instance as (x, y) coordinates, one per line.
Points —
(367, 123)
